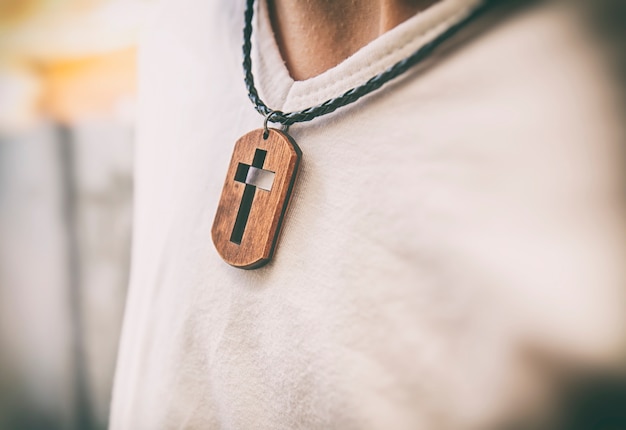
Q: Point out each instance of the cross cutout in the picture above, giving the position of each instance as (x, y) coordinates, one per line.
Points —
(254, 177)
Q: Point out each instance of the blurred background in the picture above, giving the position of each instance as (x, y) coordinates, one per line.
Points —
(67, 102)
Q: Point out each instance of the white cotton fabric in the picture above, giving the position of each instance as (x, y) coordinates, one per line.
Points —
(442, 230)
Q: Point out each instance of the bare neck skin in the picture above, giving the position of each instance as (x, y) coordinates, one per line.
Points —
(316, 35)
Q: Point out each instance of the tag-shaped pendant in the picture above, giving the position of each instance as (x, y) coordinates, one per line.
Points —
(255, 196)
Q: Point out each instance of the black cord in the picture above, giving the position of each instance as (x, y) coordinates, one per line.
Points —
(349, 96)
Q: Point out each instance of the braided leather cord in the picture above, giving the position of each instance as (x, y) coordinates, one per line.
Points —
(351, 95)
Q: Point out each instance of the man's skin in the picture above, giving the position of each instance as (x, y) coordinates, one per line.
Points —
(316, 35)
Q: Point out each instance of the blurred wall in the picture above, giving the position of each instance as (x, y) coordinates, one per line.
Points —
(67, 96)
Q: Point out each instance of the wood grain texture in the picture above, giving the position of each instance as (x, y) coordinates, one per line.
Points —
(268, 208)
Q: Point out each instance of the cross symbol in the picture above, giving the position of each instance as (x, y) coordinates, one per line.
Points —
(254, 177)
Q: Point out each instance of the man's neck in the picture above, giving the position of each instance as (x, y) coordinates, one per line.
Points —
(316, 35)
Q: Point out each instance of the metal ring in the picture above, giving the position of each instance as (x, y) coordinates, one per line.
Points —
(266, 131)
(268, 117)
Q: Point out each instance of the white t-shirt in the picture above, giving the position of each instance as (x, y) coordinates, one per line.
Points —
(441, 229)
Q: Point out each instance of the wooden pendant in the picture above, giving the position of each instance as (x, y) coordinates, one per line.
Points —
(254, 199)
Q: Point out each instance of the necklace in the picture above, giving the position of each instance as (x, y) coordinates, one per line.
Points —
(264, 164)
